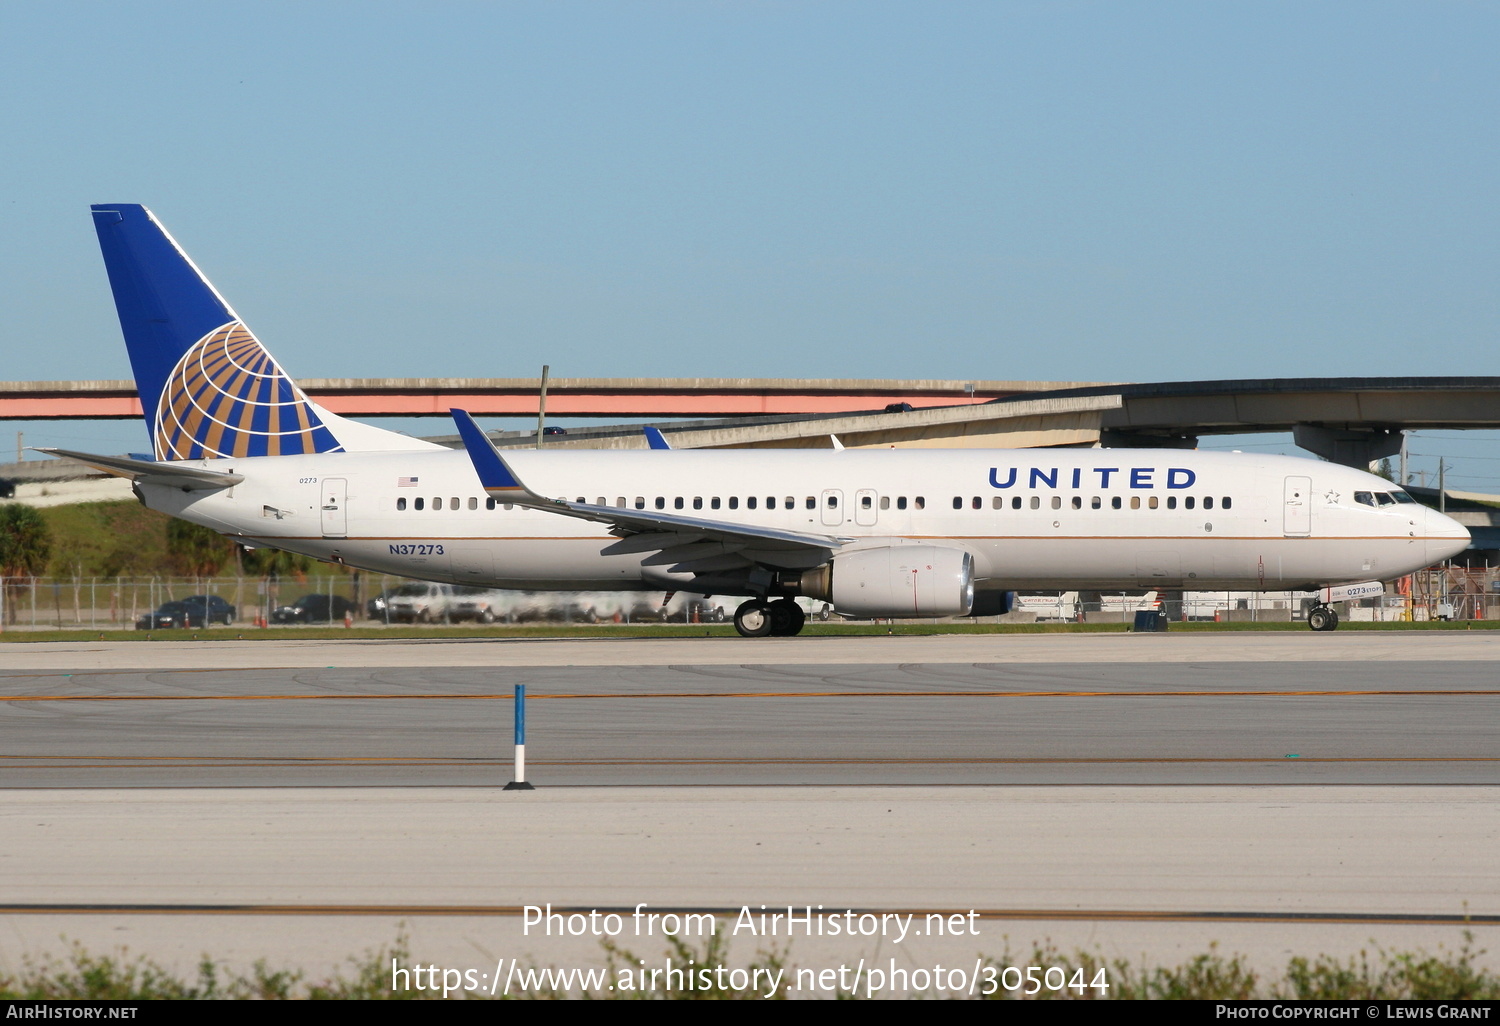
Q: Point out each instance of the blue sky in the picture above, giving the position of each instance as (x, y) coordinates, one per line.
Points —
(1058, 191)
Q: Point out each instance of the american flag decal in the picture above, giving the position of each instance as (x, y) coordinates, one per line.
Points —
(406, 482)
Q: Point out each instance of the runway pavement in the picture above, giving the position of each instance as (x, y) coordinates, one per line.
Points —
(665, 713)
(1282, 793)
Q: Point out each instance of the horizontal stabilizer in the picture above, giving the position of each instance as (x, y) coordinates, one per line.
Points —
(174, 475)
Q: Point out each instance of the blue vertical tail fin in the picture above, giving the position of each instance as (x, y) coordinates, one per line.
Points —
(208, 388)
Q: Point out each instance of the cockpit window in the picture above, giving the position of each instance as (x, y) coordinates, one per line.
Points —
(1401, 496)
(1365, 498)
(1386, 498)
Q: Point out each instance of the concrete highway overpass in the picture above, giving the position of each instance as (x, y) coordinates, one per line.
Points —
(1348, 420)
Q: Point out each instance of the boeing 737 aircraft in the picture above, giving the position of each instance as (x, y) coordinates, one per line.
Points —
(238, 447)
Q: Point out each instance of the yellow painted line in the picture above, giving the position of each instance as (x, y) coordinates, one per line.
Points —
(1393, 692)
(294, 761)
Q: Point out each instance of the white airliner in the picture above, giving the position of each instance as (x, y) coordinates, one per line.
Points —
(237, 446)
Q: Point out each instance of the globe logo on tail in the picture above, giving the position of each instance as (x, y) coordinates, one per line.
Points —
(228, 397)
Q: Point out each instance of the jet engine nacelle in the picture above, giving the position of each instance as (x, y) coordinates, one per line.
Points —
(902, 580)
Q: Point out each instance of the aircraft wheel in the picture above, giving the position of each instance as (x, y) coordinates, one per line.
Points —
(1321, 618)
(787, 618)
(753, 619)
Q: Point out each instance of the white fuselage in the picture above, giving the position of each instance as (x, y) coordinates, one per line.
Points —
(1030, 518)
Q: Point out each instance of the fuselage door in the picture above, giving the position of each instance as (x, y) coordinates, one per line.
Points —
(833, 507)
(335, 507)
(866, 504)
(1296, 517)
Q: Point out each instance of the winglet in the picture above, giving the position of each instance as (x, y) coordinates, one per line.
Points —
(655, 438)
(494, 473)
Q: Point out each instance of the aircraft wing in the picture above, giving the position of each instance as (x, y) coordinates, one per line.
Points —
(684, 544)
(174, 475)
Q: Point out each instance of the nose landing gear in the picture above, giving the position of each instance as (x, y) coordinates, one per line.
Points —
(1322, 618)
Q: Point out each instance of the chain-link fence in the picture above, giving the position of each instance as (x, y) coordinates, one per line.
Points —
(72, 603)
(1438, 593)
(112, 603)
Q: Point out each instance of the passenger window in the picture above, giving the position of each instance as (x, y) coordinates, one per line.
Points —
(401, 502)
(1135, 502)
(734, 502)
(833, 502)
(770, 502)
(1096, 503)
(661, 502)
(1114, 502)
(885, 502)
(640, 502)
(1078, 502)
(473, 502)
(1057, 502)
(978, 502)
(958, 502)
(1225, 503)
(997, 502)
(713, 503)
(1151, 502)
(919, 502)
(1187, 502)
(697, 502)
(508, 505)
(1208, 502)
(453, 503)
(866, 502)
(750, 502)
(1015, 502)
(812, 502)
(490, 503)
(417, 503)
(901, 502)
(1036, 502)
(677, 502)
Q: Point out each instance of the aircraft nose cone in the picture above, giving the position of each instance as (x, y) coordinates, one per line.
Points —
(1446, 537)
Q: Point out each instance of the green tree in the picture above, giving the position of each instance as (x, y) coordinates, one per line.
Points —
(25, 548)
(261, 562)
(196, 551)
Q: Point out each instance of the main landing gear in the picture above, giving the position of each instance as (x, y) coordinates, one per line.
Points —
(1322, 618)
(758, 619)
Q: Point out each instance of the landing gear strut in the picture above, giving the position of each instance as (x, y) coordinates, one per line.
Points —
(757, 619)
(1322, 618)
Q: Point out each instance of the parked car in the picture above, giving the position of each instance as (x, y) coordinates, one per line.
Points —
(193, 611)
(482, 605)
(418, 602)
(170, 616)
(211, 609)
(316, 608)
